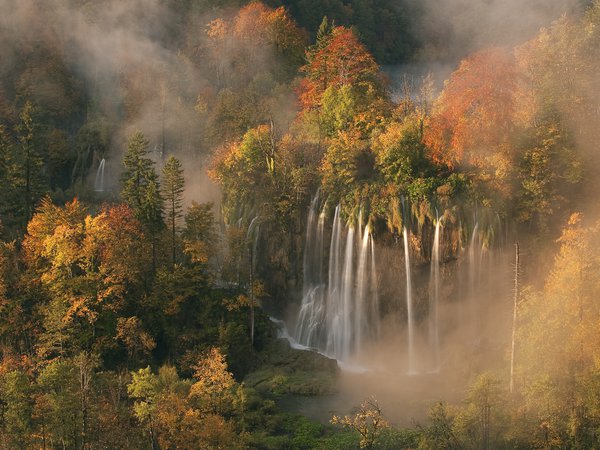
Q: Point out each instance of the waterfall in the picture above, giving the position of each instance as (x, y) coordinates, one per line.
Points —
(375, 313)
(342, 328)
(99, 182)
(252, 237)
(434, 293)
(362, 276)
(339, 316)
(334, 287)
(474, 261)
(409, 304)
(312, 309)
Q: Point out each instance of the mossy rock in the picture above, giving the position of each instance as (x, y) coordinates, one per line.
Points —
(286, 371)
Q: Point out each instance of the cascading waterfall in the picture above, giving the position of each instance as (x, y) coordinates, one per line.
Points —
(99, 182)
(337, 317)
(409, 305)
(312, 310)
(474, 261)
(434, 293)
(342, 331)
(361, 290)
(375, 313)
(252, 237)
(340, 314)
(334, 288)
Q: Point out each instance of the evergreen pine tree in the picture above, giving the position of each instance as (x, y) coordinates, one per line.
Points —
(172, 191)
(31, 178)
(141, 188)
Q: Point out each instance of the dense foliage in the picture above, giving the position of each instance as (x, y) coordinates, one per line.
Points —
(130, 315)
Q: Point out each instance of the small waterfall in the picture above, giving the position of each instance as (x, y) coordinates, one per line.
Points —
(434, 293)
(252, 237)
(474, 261)
(99, 182)
(409, 304)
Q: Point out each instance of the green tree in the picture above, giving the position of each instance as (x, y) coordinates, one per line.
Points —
(15, 410)
(145, 388)
(438, 434)
(59, 384)
(200, 233)
(173, 185)
(9, 196)
(141, 188)
(30, 159)
(480, 424)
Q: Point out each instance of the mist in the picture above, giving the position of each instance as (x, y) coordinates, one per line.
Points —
(140, 66)
(449, 30)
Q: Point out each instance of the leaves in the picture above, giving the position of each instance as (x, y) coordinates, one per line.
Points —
(368, 422)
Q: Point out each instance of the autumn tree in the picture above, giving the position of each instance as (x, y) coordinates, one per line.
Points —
(53, 250)
(199, 234)
(173, 185)
(347, 163)
(338, 60)
(555, 131)
(247, 171)
(368, 422)
(558, 340)
(213, 386)
(131, 333)
(88, 267)
(401, 154)
(472, 121)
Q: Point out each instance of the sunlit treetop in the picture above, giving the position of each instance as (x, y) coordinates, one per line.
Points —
(338, 59)
(474, 111)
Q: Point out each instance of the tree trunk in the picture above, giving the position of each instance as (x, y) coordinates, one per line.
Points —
(251, 295)
(514, 322)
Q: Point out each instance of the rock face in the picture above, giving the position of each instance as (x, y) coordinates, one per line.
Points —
(286, 371)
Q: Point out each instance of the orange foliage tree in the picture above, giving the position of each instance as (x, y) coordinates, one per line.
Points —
(340, 60)
(87, 265)
(473, 115)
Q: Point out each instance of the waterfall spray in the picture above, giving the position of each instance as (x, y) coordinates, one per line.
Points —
(434, 293)
(339, 316)
(409, 304)
(375, 313)
(361, 296)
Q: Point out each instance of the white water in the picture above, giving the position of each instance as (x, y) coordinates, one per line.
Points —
(312, 309)
(409, 305)
(340, 316)
(434, 298)
(99, 181)
(361, 290)
(474, 263)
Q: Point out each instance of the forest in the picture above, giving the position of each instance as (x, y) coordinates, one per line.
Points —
(217, 213)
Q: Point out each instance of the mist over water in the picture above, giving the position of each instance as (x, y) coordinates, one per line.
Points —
(411, 330)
